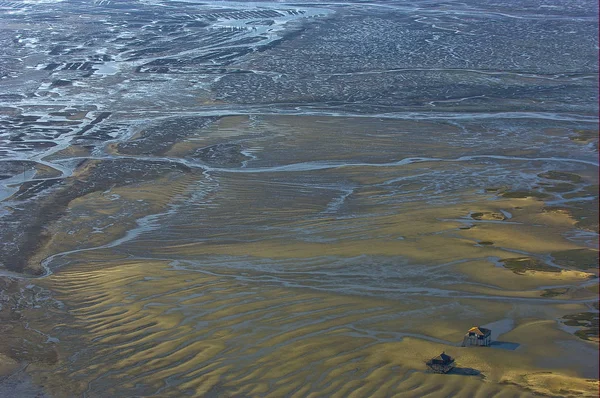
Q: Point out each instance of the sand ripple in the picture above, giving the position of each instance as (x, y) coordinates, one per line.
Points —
(152, 330)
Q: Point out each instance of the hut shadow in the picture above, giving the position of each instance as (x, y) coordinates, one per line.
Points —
(465, 372)
(504, 345)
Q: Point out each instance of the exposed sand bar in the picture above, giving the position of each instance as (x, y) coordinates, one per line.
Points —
(175, 332)
(243, 260)
(246, 199)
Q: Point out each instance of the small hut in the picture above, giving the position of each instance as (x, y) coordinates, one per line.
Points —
(441, 364)
(477, 336)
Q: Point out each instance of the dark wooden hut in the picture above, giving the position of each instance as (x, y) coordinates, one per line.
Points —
(477, 336)
(443, 363)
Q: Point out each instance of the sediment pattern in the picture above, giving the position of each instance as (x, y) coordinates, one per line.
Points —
(272, 199)
(329, 276)
(156, 330)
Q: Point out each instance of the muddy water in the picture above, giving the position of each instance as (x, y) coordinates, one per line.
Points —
(328, 256)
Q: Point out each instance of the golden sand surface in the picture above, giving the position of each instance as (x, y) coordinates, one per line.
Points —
(330, 270)
(151, 328)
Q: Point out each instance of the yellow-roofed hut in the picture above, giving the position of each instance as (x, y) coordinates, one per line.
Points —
(477, 336)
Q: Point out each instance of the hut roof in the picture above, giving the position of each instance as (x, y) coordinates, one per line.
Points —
(443, 358)
(478, 330)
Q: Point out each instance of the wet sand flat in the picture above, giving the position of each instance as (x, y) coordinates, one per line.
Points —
(207, 332)
(190, 209)
(320, 277)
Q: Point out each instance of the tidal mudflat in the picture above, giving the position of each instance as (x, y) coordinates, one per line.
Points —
(270, 199)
